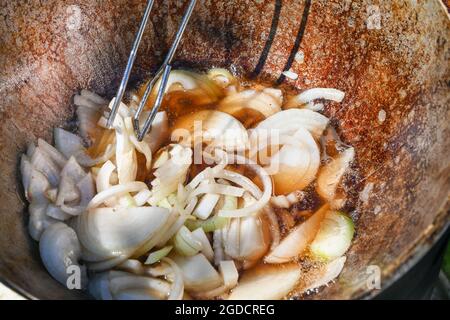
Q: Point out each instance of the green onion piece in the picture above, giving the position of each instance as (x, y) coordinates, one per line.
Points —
(156, 256)
(185, 243)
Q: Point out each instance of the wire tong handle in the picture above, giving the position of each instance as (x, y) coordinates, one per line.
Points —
(162, 73)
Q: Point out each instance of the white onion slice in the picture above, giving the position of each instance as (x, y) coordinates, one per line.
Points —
(326, 274)
(87, 189)
(39, 221)
(40, 161)
(141, 146)
(217, 127)
(177, 288)
(109, 232)
(132, 265)
(266, 282)
(104, 176)
(52, 153)
(68, 191)
(198, 273)
(73, 170)
(37, 187)
(206, 205)
(159, 132)
(67, 143)
(92, 96)
(295, 167)
(216, 188)
(141, 197)
(262, 201)
(25, 170)
(206, 249)
(320, 93)
(331, 174)
(267, 102)
(56, 213)
(288, 122)
(115, 191)
(298, 239)
(229, 273)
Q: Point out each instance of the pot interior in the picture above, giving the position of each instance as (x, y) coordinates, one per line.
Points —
(391, 59)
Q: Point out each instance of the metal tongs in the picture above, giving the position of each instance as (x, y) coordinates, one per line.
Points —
(162, 73)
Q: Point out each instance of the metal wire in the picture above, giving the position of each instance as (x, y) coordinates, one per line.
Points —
(162, 74)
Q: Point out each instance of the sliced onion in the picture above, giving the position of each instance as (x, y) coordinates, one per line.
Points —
(219, 253)
(262, 201)
(157, 255)
(70, 144)
(331, 174)
(288, 121)
(68, 191)
(67, 143)
(132, 265)
(198, 273)
(126, 160)
(240, 180)
(31, 147)
(141, 197)
(141, 146)
(218, 127)
(222, 77)
(104, 176)
(159, 288)
(280, 201)
(177, 289)
(185, 243)
(298, 239)
(92, 96)
(103, 265)
(325, 274)
(56, 213)
(39, 221)
(253, 238)
(208, 225)
(87, 121)
(109, 232)
(206, 205)
(171, 173)
(216, 188)
(318, 93)
(274, 227)
(115, 191)
(98, 286)
(56, 156)
(160, 235)
(25, 170)
(229, 273)
(40, 161)
(52, 194)
(89, 100)
(206, 249)
(159, 131)
(266, 102)
(38, 187)
(295, 166)
(73, 170)
(87, 189)
(266, 282)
